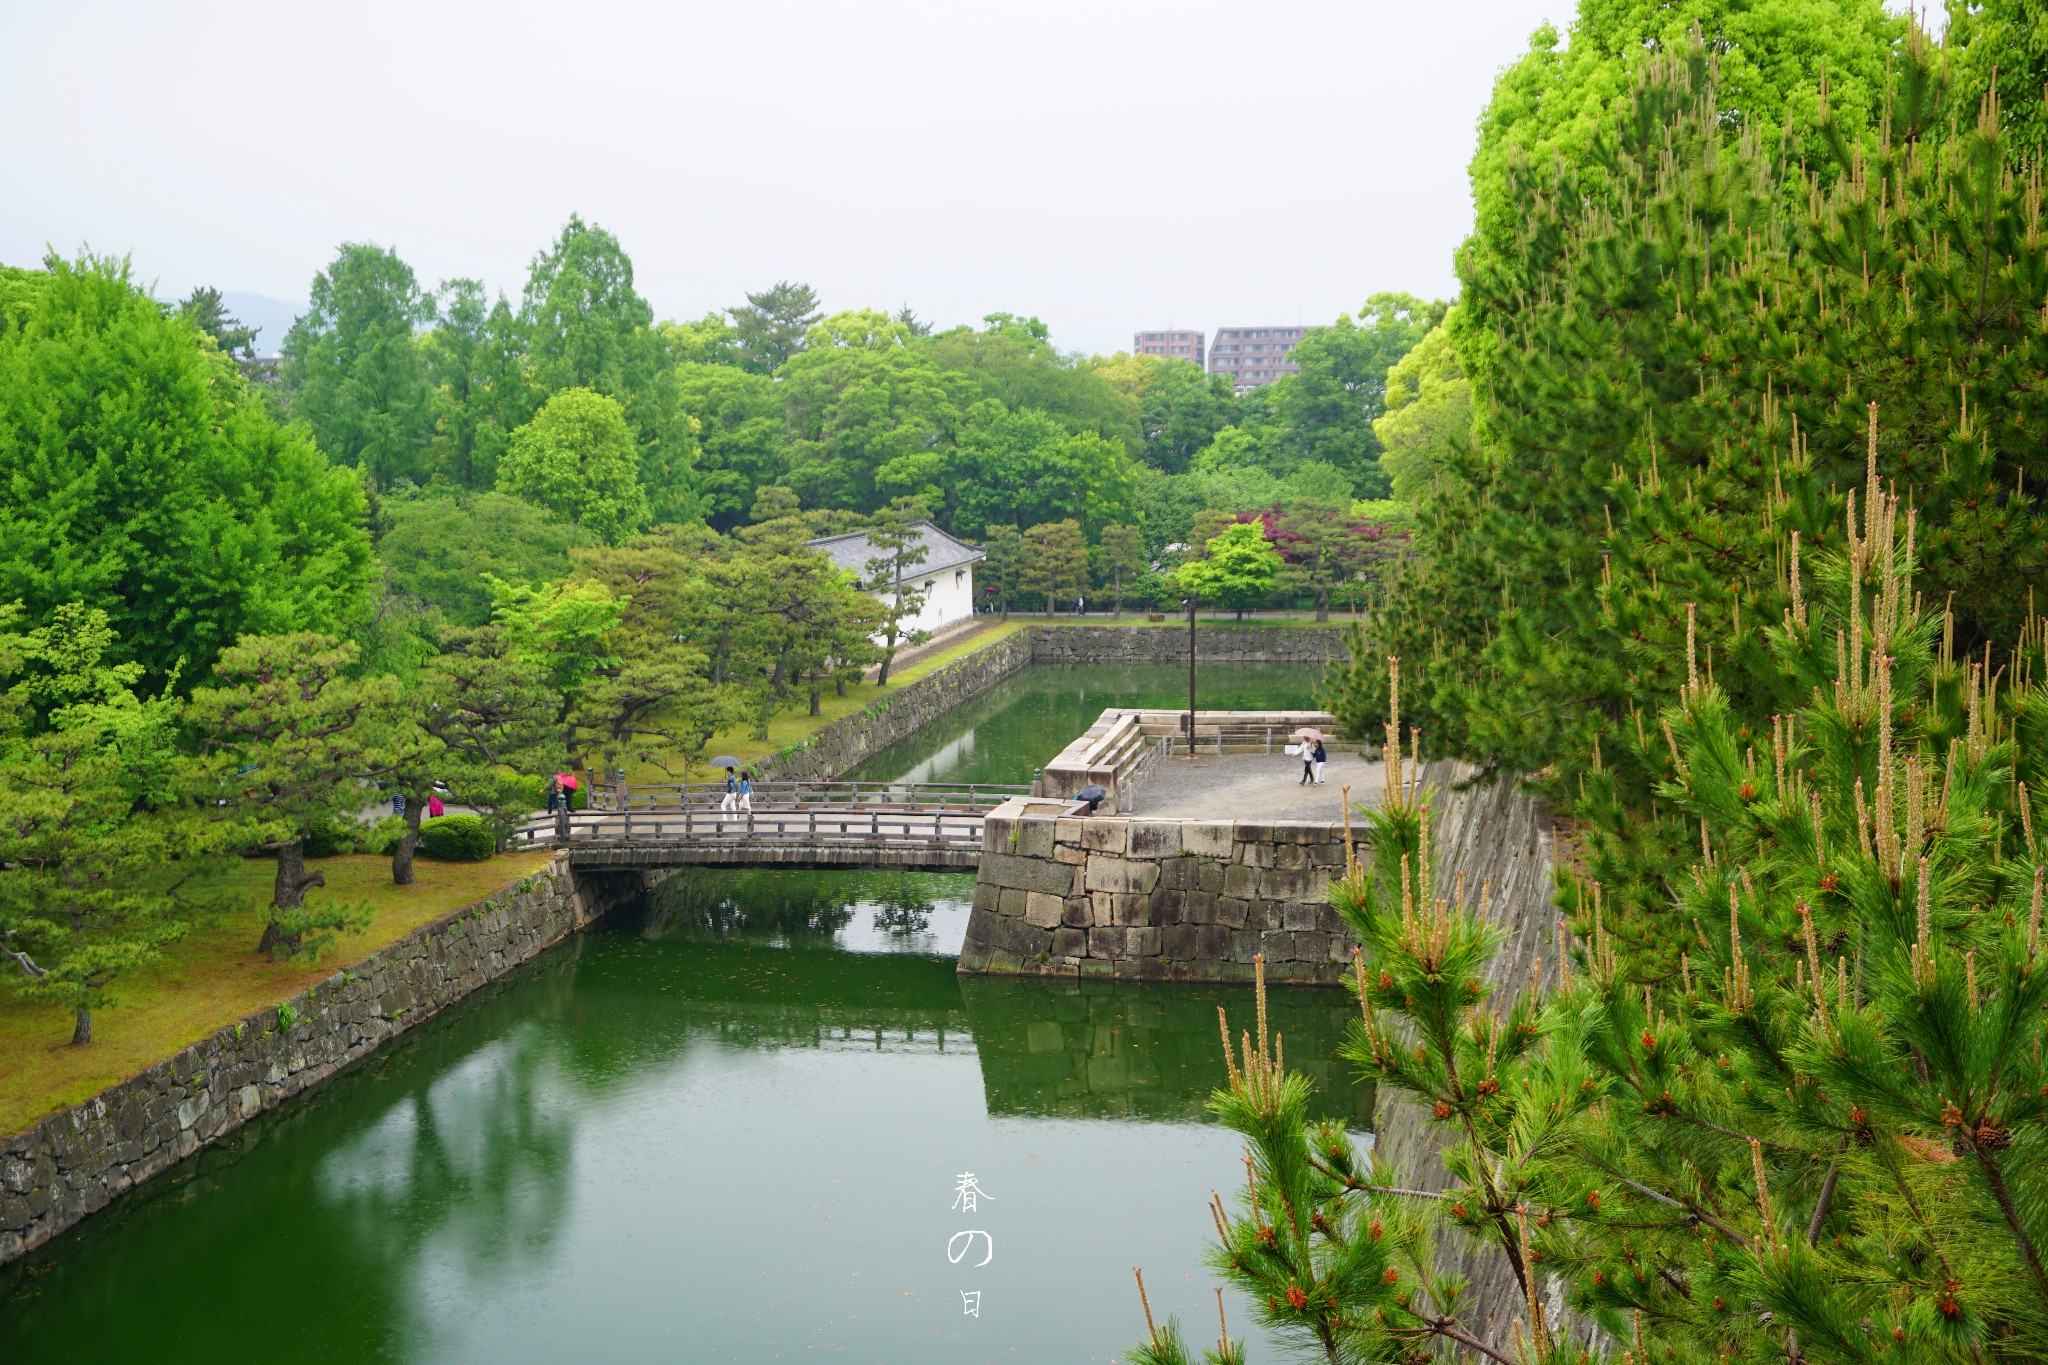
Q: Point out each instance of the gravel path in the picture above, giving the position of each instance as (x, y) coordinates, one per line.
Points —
(1255, 787)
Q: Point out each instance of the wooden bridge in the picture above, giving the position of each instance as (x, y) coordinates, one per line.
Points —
(922, 826)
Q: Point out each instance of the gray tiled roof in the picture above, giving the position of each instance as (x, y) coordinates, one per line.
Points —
(853, 551)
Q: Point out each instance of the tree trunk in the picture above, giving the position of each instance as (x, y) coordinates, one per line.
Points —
(888, 657)
(401, 852)
(1049, 604)
(81, 1027)
(839, 685)
(288, 893)
(817, 696)
(1322, 606)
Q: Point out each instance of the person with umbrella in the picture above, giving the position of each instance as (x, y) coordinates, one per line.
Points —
(731, 800)
(1311, 742)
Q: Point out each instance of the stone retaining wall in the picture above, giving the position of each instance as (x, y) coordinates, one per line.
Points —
(75, 1162)
(1076, 644)
(844, 743)
(1159, 899)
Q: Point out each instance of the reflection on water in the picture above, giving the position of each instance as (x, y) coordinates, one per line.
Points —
(1020, 723)
(856, 912)
(1103, 1050)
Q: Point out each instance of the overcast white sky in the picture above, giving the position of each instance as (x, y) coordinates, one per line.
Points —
(1105, 164)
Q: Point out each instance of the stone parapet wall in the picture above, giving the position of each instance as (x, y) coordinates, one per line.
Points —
(74, 1163)
(1076, 644)
(844, 743)
(1157, 899)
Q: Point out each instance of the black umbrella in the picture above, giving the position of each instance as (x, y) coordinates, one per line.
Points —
(1094, 794)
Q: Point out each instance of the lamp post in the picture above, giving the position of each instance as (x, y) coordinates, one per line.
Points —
(1189, 603)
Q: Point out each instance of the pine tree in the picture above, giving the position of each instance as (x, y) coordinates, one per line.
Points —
(897, 536)
(1121, 563)
(1054, 561)
(286, 740)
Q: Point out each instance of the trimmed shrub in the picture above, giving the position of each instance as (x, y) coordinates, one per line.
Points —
(457, 839)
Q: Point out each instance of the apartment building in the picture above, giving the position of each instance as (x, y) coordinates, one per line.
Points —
(1252, 356)
(1173, 345)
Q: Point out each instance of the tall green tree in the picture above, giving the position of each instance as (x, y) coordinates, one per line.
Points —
(1428, 416)
(1239, 571)
(588, 328)
(440, 549)
(1054, 562)
(1016, 468)
(870, 416)
(576, 459)
(139, 475)
(743, 441)
(1661, 394)
(287, 741)
(773, 325)
(1012, 360)
(1326, 412)
(353, 370)
(483, 718)
(89, 822)
(1120, 563)
(476, 362)
(896, 535)
(2003, 44)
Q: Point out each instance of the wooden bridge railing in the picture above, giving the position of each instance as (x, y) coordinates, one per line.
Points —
(676, 797)
(876, 826)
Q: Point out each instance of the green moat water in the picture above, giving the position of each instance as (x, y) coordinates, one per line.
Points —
(722, 1125)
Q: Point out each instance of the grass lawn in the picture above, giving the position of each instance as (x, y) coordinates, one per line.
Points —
(795, 724)
(215, 976)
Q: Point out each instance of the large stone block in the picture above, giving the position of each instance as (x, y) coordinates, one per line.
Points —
(1177, 874)
(1034, 838)
(1014, 902)
(1014, 935)
(1105, 836)
(1080, 912)
(1026, 874)
(1210, 839)
(1105, 943)
(1242, 882)
(1231, 911)
(1155, 839)
(1069, 942)
(1043, 910)
(1105, 873)
(1300, 916)
(1141, 942)
(1294, 884)
(1179, 942)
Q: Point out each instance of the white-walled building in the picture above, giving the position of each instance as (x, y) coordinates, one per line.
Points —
(945, 576)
